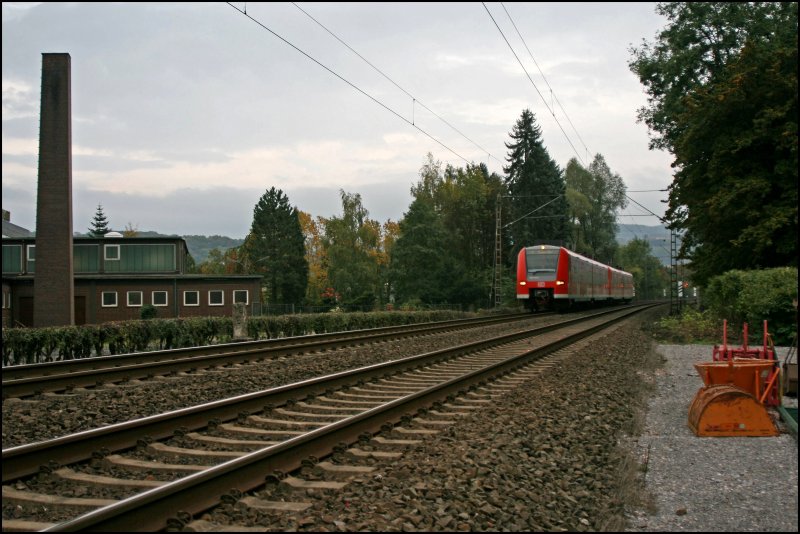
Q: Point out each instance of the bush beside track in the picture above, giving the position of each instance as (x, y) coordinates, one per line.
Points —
(39, 345)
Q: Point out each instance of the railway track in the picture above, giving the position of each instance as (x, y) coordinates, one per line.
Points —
(27, 380)
(199, 454)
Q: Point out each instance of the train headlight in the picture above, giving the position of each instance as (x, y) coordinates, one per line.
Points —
(523, 283)
(560, 282)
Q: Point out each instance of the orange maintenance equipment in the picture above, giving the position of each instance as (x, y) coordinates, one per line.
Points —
(737, 384)
(766, 352)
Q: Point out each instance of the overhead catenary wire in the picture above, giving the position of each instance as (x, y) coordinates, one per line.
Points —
(661, 219)
(415, 101)
(351, 84)
(545, 79)
(544, 100)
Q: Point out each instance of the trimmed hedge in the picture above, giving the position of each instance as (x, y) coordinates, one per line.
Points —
(39, 345)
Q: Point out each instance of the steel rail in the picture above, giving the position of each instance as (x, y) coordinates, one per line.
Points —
(57, 376)
(150, 510)
(27, 459)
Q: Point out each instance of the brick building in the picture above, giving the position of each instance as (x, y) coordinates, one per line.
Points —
(116, 276)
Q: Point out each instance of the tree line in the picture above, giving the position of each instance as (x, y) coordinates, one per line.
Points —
(444, 249)
(721, 80)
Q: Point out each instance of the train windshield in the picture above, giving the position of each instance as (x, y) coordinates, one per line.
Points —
(542, 264)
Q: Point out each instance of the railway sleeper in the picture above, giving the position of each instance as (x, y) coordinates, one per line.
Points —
(115, 460)
(200, 525)
(103, 481)
(30, 498)
(238, 444)
(278, 434)
(180, 452)
(19, 525)
(309, 425)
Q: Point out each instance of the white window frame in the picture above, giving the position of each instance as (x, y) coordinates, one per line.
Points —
(28, 250)
(106, 248)
(103, 299)
(141, 299)
(222, 297)
(166, 298)
(246, 296)
(196, 292)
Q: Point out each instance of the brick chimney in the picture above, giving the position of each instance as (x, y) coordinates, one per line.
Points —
(54, 285)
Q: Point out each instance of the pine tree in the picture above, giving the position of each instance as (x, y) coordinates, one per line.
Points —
(99, 223)
(276, 248)
(536, 185)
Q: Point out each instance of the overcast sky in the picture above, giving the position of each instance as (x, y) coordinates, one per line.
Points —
(183, 115)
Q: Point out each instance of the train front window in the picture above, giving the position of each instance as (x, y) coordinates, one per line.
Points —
(541, 264)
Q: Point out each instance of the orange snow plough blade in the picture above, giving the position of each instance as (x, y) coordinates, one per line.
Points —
(724, 410)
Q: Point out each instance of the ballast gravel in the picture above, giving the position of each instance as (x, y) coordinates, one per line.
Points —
(599, 443)
(710, 484)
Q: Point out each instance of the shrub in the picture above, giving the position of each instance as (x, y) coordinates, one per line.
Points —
(756, 296)
(148, 311)
(692, 326)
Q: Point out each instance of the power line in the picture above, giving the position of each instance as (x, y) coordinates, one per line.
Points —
(532, 83)
(351, 84)
(545, 79)
(647, 210)
(413, 98)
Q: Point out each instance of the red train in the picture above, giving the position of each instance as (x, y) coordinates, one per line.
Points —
(555, 278)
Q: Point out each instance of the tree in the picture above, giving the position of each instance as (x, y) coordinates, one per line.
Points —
(650, 278)
(594, 197)
(722, 85)
(313, 231)
(462, 204)
(130, 230)
(352, 245)
(275, 247)
(99, 223)
(223, 262)
(539, 209)
(421, 270)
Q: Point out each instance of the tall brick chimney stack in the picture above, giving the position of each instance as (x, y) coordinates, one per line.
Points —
(53, 285)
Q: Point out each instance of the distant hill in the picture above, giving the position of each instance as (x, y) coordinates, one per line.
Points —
(657, 236)
(200, 245)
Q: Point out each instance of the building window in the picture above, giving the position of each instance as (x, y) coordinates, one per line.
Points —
(240, 296)
(31, 252)
(134, 298)
(216, 297)
(191, 298)
(159, 298)
(109, 299)
(111, 252)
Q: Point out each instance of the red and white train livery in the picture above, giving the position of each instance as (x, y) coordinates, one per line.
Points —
(550, 277)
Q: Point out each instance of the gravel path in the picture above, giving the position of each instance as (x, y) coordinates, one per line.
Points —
(710, 484)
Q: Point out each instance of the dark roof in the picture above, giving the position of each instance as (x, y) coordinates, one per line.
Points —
(12, 230)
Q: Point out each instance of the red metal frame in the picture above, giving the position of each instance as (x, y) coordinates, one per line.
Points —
(770, 393)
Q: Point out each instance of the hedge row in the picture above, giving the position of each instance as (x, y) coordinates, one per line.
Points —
(39, 345)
